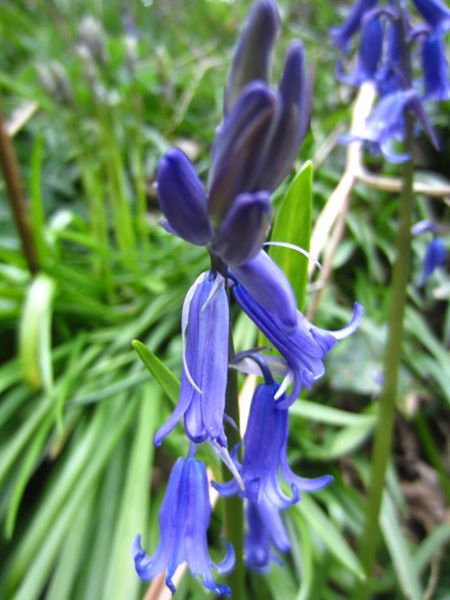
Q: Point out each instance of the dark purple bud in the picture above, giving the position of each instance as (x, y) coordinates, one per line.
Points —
(182, 198)
(269, 286)
(342, 35)
(370, 51)
(435, 13)
(243, 231)
(293, 120)
(239, 148)
(251, 58)
(435, 69)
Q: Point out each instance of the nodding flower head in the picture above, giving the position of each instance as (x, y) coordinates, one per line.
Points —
(183, 523)
(302, 345)
(205, 321)
(265, 455)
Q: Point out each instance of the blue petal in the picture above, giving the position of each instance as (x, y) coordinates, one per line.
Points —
(182, 198)
(269, 286)
(434, 12)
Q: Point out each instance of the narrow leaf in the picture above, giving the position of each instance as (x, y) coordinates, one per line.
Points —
(164, 376)
(293, 225)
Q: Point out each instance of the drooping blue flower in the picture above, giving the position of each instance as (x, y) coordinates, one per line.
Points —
(435, 256)
(265, 463)
(264, 530)
(424, 226)
(183, 523)
(342, 35)
(205, 320)
(370, 52)
(386, 124)
(303, 346)
(390, 77)
(435, 69)
(435, 13)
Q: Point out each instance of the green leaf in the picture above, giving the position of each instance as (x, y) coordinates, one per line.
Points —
(35, 333)
(398, 549)
(329, 534)
(293, 225)
(164, 376)
(121, 581)
(327, 414)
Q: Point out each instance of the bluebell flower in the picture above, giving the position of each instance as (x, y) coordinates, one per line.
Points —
(205, 321)
(386, 124)
(390, 77)
(370, 52)
(435, 256)
(183, 523)
(303, 347)
(265, 462)
(435, 13)
(435, 69)
(342, 35)
(264, 530)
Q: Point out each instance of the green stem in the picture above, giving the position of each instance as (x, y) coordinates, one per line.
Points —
(233, 509)
(386, 412)
(10, 168)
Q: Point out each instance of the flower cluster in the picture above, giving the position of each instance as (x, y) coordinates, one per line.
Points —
(387, 34)
(253, 151)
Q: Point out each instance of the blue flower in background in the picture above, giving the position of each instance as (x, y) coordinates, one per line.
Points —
(435, 256)
(183, 523)
(205, 320)
(302, 345)
(342, 35)
(387, 34)
(435, 69)
(386, 124)
(265, 455)
(370, 52)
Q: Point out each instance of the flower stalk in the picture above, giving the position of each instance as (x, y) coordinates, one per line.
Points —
(392, 356)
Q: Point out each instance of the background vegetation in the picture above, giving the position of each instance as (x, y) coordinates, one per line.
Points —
(91, 106)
